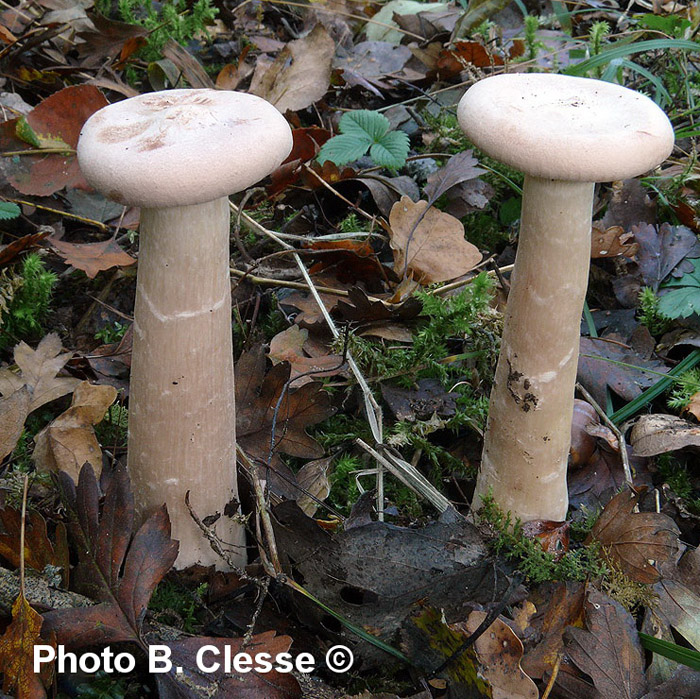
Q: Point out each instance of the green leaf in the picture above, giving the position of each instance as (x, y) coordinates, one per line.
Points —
(366, 123)
(686, 656)
(684, 298)
(8, 210)
(392, 150)
(343, 149)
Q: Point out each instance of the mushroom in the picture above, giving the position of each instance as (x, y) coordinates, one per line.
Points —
(565, 134)
(178, 154)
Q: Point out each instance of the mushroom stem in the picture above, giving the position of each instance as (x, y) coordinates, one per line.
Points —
(182, 416)
(529, 426)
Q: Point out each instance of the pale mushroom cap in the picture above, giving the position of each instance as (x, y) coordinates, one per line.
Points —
(566, 128)
(181, 147)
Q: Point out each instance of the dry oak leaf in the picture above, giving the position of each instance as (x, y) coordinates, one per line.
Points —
(499, 652)
(69, 441)
(38, 369)
(313, 478)
(608, 650)
(428, 243)
(300, 74)
(17, 653)
(92, 258)
(258, 395)
(13, 412)
(635, 541)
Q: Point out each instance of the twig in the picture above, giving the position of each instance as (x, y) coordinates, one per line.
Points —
(92, 222)
(22, 531)
(553, 677)
(252, 469)
(262, 594)
(614, 429)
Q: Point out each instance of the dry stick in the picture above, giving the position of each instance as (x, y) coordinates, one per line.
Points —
(65, 214)
(553, 676)
(22, 530)
(252, 468)
(614, 429)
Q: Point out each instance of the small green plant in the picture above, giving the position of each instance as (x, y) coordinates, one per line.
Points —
(649, 314)
(683, 297)
(532, 44)
(9, 211)
(173, 603)
(536, 564)
(24, 301)
(598, 32)
(112, 431)
(112, 332)
(364, 130)
(175, 19)
(684, 388)
(676, 475)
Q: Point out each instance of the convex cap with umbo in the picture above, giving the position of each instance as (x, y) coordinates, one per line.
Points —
(566, 128)
(181, 147)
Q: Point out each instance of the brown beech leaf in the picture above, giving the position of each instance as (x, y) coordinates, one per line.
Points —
(38, 369)
(360, 311)
(635, 541)
(658, 434)
(92, 258)
(350, 261)
(17, 653)
(108, 39)
(608, 649)
(10, 252)
(429, 244)
(38, 549)
(288, 346)
(113, 569)
(58, 118)
(300, 74)
(69, 441)
(499, 652)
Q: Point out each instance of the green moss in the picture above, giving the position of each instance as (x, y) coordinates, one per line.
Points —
(536, 564)
(174, 604)
(29, 302)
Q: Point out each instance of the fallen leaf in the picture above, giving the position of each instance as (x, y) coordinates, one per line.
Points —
(313, 478)
(429, 243)
(301, 73)
(499, 652)
(190, 682)
(684, 684)
(17, 653)
(39, 551)
(553, 537)
(693, 406)
(635, 541)
(662, 250)
(612, 242)
(187, 65)
(92, 258)
(658, 434)
(14, 410)
(271, 419)
(59, 117)
(459, 168)
(629, 205)
(117, 571)
(597, 374)
(288, 346)
(108, 39)
(452, 61)
(381, 29)
(564, 607)
(679, 607)
(366, 315)
(421, 403)
(349, 261)
(608, 649)
(69, 441)
(9, 253)
(369, 62)
(38, 369)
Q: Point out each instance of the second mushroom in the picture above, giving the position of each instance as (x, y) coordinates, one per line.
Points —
(565, 134)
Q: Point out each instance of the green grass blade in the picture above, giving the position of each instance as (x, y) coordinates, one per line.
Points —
(624, 50)
(634, 406)
(349, 625)
(672, 651)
